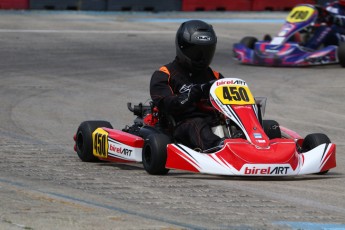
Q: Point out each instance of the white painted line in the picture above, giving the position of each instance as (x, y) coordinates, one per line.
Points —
(88, 31)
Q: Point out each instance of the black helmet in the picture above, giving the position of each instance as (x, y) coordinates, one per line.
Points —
(195, 44)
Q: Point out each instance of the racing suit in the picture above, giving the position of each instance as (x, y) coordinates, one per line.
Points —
(333, 34)
(184, 95)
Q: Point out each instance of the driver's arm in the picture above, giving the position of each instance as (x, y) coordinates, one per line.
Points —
(164, 97)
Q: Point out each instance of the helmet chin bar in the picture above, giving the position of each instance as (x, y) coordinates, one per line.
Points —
(192, 66)
(199, 65)
(184, 60)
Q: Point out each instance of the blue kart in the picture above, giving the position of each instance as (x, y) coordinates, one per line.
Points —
(287, 48)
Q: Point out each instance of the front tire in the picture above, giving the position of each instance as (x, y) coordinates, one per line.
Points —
(154, 154)
(312, 141)
(272, 129)
(267, 38)
(84, 139)
(341, 54)
(249, 42)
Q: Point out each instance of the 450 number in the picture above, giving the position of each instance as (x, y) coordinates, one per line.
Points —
(234, 93)
(100, 144)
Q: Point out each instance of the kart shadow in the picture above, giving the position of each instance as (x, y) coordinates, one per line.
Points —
(195, 176)
(318, 67)
(122, 166)
(311, 177)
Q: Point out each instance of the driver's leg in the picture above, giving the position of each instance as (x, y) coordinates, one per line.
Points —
(196, 133)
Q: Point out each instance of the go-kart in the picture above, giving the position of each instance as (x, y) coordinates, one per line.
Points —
(288, 47)
(252, 146)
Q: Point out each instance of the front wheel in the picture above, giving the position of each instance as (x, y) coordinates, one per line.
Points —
(84, 139)
(155, 154)
(267, 38)
(341, 54)
(272, 129)
(249, 42)
(312, 141)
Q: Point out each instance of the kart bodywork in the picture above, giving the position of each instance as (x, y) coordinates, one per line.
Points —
(263, 148)
(287, 48)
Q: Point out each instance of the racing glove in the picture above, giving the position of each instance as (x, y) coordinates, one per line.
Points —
(193, 95)
(206, 87)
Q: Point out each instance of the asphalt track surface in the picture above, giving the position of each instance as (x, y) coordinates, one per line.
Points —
(59, 69)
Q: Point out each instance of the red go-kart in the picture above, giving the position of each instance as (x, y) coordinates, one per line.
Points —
(252, 146)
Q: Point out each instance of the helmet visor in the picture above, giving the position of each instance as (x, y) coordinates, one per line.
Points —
(200, 53)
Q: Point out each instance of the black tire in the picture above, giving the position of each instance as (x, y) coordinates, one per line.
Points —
(155, 154)
(313, 140)
(249, 42)
(271, 129)
(267, 37)
(341, 54)
(84, 139)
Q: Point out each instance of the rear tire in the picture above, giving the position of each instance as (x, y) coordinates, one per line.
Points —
(312, 141)
(341, 54)
(249, 42)
(84, 139)
(272, 129)
(155, 154)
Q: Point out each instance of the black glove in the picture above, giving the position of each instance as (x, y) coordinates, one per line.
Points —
(195, 93)
(191, 95)
(206, 87)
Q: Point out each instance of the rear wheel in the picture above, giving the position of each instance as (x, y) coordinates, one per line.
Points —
(312, 141)
(84, 139)
(341, 54)
(272, 129)
(249, 42)
(155, 154)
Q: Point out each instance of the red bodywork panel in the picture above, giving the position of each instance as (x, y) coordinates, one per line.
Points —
(125, 138)
(280, 151)
(238, 152)
(329, 161)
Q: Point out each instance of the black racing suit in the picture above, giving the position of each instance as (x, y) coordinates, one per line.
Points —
(169, 89)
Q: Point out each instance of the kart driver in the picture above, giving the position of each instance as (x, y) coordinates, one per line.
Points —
(333, 34)
(181, 88)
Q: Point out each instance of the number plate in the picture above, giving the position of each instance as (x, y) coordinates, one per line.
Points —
(100, 143)
(300, 14)
(234, 95)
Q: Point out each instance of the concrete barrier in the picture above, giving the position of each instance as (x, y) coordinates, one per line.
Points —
(94, 5)
(216, 5)
(55, 4)
(274, 5)
(144, 5)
